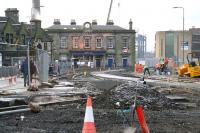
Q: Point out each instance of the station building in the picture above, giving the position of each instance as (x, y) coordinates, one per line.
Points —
(93, 45)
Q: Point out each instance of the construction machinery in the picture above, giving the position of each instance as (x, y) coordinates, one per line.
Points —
(192, 68)
(108, 18)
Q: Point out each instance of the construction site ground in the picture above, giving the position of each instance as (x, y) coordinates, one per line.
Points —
(170, 104)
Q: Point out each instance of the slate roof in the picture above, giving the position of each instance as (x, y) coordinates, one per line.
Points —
(98, 28)
(3, 21)
(2, 25)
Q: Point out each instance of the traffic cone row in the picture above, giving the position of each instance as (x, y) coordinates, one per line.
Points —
(89, 125)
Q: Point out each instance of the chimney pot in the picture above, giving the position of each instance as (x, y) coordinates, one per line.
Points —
(110, 22)
(94, 22)
(130, 25)
(56, 22)
(12, 13)
(73, 22)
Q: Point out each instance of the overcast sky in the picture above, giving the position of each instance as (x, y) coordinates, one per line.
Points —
(148, 16)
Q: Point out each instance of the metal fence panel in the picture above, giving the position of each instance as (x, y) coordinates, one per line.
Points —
(7, 71)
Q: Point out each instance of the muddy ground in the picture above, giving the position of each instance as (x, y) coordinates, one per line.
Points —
(163, 115)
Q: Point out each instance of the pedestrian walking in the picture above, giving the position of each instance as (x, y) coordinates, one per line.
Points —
(24, 70)
(33, 70)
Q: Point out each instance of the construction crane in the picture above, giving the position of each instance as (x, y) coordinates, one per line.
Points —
(109, 11)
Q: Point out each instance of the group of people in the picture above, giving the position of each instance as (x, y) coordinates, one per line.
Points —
(54, 68)
(24, 70)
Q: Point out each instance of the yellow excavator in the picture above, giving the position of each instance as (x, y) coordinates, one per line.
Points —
(192, 68)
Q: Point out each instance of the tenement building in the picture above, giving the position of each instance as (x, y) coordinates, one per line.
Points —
(16, 36)
(93, 45)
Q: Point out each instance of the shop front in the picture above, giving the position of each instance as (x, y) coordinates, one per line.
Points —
(91, 59)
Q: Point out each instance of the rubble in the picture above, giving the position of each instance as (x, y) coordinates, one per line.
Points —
(146, 96)
(126, 93)
(110, 99)
(35, 108)
(33, 88)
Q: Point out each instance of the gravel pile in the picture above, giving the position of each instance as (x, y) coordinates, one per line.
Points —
(126, 93)
(146, 96)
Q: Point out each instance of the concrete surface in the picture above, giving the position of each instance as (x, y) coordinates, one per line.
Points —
(195, 85)
(14, 87)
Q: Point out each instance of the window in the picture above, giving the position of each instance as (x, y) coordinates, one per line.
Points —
(161, 47)
(23, 39)
(125, 42)
(39, 46)
(11, 38)
(87, 42)
(2, 37)
(75, 42)
(45, 46)
(63, 42)
(49, 46)
(169, 44)
(7, 38)
(0, 59)
(110, 42)
(98, 42)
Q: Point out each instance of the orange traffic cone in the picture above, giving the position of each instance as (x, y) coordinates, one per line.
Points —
(89, 126)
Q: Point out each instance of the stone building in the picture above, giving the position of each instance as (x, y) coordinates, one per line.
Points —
(93, 45)
(15, 37)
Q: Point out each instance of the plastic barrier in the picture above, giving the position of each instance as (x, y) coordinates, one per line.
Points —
(8, 75)
(138, 68)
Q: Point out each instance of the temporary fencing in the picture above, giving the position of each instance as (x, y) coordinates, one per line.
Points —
(8, 75)
(12, 80)
(7, 71)
(138, 68)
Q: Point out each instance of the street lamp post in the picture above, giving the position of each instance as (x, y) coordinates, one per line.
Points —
(183, 30)
(28, 55)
